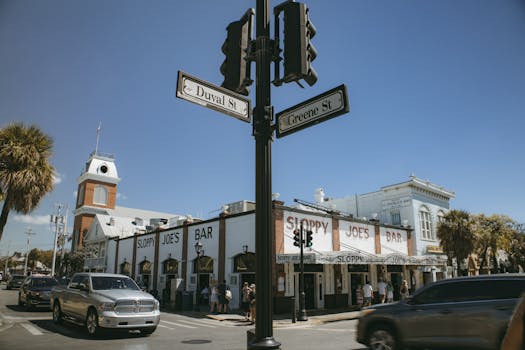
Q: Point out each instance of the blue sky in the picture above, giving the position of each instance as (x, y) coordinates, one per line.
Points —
(436, 88)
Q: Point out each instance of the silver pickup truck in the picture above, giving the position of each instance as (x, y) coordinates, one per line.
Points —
(102, 300)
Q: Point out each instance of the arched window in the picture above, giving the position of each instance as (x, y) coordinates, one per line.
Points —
(145, 268)
(125, 268)
(244, 263)
(205, 265)
(170, 267)
(425, 223)
(100, 195)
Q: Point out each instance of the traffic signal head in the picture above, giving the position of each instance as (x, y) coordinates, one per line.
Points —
(309, 238)
(236, 66)
(296, 238)
(298, 50)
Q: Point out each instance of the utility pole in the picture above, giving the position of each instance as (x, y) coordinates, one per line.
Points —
(29, 232)
(58, 222)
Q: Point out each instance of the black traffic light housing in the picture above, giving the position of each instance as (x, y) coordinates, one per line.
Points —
(309, 238)
(236, 48)
(296, 238)
(298, 50)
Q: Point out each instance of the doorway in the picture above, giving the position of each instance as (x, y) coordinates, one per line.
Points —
(356, 280)
(309, 291)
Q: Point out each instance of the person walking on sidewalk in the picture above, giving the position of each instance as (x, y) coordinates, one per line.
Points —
(214, 298)
(224, 293)
(246, 300)
(252, 303)
(368, 293)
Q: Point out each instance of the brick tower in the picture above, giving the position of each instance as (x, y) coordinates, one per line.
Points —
(97, 192)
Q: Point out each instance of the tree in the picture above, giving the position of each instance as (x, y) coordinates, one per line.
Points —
(73, 262)
(26, 175)
(455, 232)
(516, 249)
(492, 233)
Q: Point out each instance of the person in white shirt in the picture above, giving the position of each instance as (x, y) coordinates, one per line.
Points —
(381, 289)
(368, 294)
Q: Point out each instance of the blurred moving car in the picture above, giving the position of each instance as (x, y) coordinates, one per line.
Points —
(459, 313)
(35, 291)
(15, 281)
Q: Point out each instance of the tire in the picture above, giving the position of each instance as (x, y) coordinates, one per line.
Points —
(382, 338)
(92, 323)
(57, 313)
(148, 331)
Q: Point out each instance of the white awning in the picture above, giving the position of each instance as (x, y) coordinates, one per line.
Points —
(361, 258)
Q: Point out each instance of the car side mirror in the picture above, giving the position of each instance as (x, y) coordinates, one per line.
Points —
(83, 287)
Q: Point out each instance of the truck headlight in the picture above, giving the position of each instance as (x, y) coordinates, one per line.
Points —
(157, 304)
(106, 306)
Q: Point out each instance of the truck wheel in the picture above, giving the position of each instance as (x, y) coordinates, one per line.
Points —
(382, 338)
(92, 323)
(57, 313)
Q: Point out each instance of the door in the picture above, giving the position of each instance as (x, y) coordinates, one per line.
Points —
(356, 280)
(309, 291)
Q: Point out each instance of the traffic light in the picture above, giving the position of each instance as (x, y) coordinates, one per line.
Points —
(309, 238)
(298, 50)
(296, 238)
(236, 47)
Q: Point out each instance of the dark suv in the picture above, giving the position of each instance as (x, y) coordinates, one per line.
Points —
(35, 291)
(14, 281)
(459, 313)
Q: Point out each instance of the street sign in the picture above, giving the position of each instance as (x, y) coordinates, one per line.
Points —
(315, 110)
(215, 97)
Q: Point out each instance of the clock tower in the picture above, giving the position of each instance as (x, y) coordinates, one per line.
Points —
(97, 193)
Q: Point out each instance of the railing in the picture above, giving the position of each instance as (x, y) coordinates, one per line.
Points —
(91, 263)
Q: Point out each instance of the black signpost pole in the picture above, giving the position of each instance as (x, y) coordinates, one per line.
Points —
(302, 308)
(262, 131)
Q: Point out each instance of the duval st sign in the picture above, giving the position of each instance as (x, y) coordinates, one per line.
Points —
(211, 96)
(315, 110)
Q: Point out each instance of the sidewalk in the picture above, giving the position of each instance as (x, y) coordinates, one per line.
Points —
(279, 321)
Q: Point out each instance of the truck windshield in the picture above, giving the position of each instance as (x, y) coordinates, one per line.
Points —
(104, 283)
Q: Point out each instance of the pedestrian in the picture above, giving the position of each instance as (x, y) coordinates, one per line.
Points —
(389, 292)
(205, 295)
(252, 303)
(404, 290)
(223, 297)
(246, 300)
(214, 298)
(368, 294)
(381, 289)
(359, 295)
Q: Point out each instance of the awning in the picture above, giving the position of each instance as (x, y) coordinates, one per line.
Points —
(361, 258)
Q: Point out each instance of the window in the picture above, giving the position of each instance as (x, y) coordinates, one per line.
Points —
(440, 216)
(80, 195)
(395, 217)
(100, 195)
(425, 223)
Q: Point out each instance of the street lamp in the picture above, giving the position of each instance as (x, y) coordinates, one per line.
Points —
(199, 252)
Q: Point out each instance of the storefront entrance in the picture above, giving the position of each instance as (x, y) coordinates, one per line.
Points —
(309, 291)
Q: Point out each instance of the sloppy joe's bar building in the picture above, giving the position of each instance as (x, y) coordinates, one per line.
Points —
(346, 252)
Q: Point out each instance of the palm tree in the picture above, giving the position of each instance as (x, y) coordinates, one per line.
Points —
(456, 234)
(25, 172)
